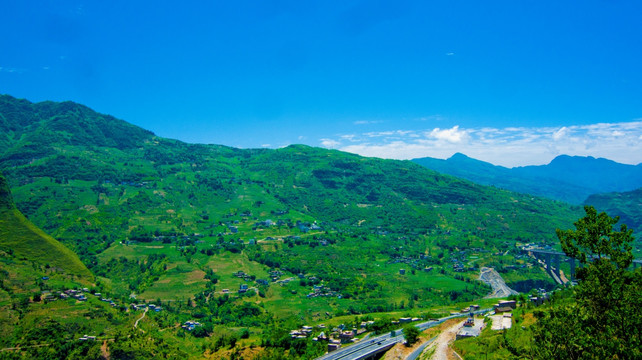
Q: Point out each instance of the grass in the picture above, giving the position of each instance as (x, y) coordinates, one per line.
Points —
(22, 237)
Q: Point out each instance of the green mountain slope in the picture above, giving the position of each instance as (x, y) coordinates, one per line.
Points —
(183, 210)
(30, 131)
(626, 205)
(316, 236)
(24, 239)
(566, 178)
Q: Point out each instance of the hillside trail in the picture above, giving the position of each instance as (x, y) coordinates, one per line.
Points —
(443, 341)
(141, 318)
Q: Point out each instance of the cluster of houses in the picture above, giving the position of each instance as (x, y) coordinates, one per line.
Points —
(242, 275)
(81, 295)
(284, 282)
(266, 223)
(275, 275)
(152, 307)
(414, 262)
(460, 257)
(458, 265)
(190, 325)
(87, 338)
(75, 294)
(340, 334)
(304, 227)
(337, 336)
(321, 290)
(110, 301)
(302, 333)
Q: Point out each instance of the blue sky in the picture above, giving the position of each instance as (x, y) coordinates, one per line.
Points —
(509, 82)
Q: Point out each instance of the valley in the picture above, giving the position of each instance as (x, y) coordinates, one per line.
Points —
(248, 243)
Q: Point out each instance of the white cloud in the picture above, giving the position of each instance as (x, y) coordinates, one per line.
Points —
(366, 122)
(453, 135)
(12, 70)
(329, 143)
(560, 134)
(436, 117)
(510, 146)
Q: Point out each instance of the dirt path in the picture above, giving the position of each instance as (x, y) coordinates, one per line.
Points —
(104, 350)
(141, 318)
(24, 347)
(441, 345)
(492, 278)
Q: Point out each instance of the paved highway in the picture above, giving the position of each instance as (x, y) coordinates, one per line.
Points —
(364, 348)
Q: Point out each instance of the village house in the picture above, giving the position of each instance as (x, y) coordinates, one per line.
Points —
(346, 336)
(506, 303)
(334, 345)
(502, 309)
(191, 325)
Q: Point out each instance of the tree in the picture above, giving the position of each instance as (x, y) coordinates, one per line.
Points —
(411, 333)
(595, 239)
(604, 320)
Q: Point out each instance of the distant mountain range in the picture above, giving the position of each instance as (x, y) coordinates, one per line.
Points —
(607, 185)
(567, 178)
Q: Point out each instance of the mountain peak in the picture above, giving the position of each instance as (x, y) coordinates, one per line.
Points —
(67, 123)
(459, 156)
(566, 161)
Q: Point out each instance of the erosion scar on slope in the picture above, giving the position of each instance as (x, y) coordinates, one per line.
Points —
(492, 278)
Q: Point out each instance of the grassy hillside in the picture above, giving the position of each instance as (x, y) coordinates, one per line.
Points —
(22, 238)
(6, 200)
